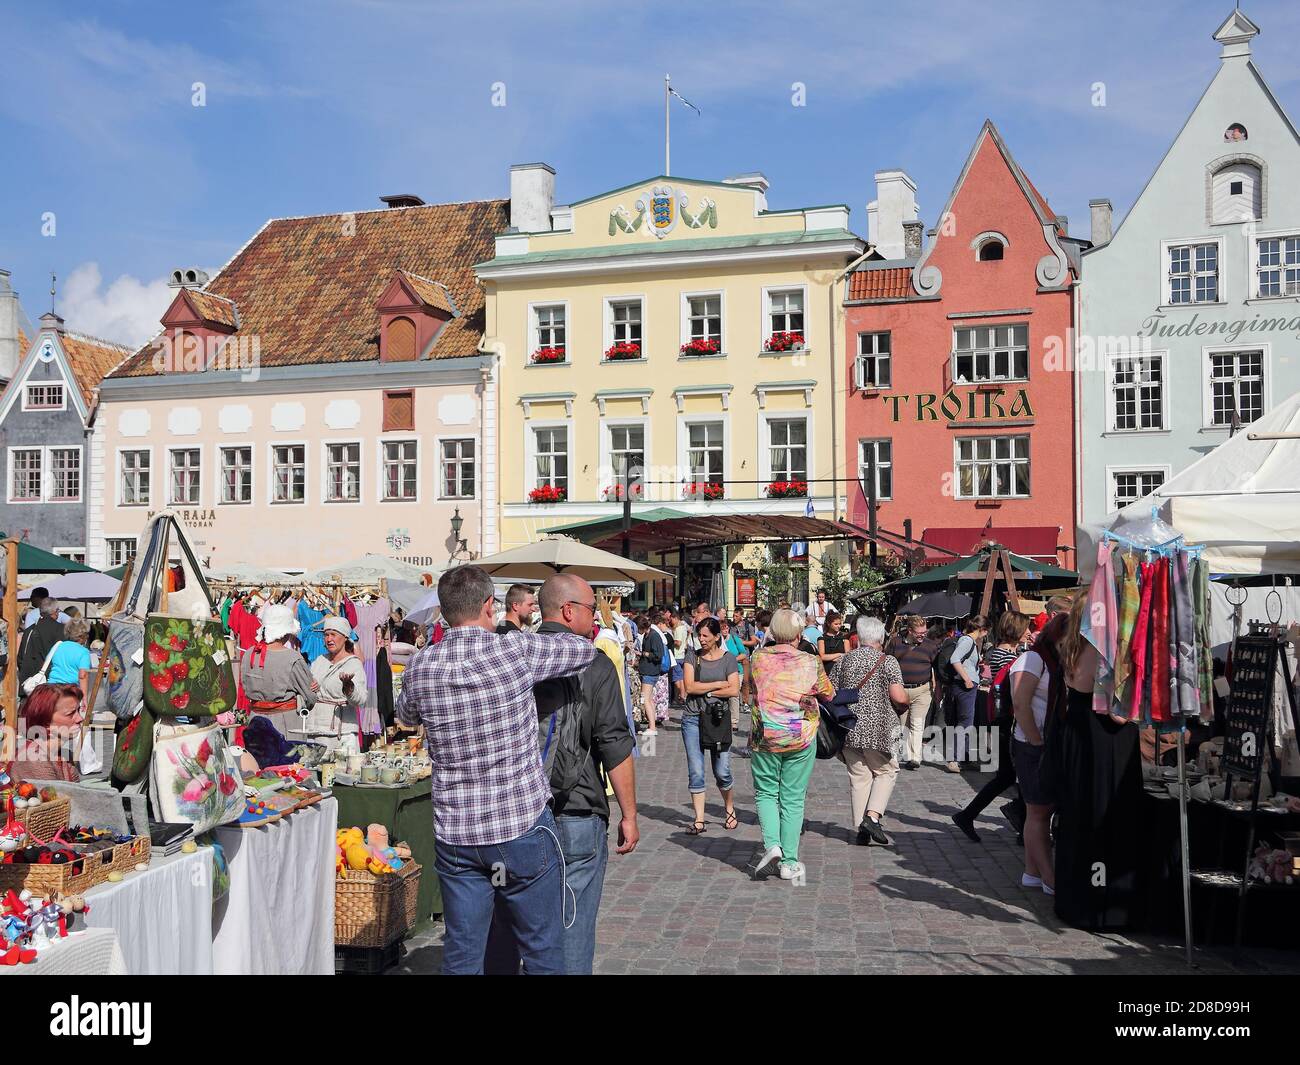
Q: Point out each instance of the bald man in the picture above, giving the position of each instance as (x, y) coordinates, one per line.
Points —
(581, 808)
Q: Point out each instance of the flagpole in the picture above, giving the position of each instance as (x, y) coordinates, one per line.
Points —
(666, 169)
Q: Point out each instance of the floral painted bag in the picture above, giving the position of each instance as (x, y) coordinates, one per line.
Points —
(195, 777)
(187, 668)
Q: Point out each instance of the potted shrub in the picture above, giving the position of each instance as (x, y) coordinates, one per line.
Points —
(548, 355)
(784, 342)
(614, 493)
(701, 346)
(548, 493)
(787, 489)
(622, 351)
(705, 490)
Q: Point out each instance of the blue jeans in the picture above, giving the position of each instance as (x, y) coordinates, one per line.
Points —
(963, 699)
(585, 843)
(695, 759)
(526, 875)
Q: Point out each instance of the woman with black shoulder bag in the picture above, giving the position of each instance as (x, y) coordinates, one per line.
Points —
(712, 678)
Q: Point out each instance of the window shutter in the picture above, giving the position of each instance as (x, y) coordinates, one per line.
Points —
(401, 341)
(399, 411)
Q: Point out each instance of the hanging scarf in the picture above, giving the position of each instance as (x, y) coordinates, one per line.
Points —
(1185, 684)
(1204, 654)
(1130, 598)
(1141, 634)
(1100, 627)
(1160, 656)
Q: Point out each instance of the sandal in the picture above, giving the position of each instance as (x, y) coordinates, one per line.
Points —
(730, 823)
(697, 828)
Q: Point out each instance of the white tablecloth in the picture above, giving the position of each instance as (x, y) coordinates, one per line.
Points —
(93, 952)
(279, 915)
(162, 915)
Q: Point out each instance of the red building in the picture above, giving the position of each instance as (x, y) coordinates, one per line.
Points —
(957, 375)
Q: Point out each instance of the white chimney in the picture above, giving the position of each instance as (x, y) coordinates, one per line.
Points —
(10, 356)
(532, 195)
(757, 180)
(895, 203)
(1101, 223)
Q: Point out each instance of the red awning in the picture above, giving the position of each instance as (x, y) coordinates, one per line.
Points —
(1032, 541)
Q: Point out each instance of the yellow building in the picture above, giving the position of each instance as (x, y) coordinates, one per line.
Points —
(677, 328)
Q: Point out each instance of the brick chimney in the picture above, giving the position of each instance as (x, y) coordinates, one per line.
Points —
(912, 238)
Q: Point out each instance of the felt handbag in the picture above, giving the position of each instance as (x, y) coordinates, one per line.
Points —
(134, 747)
(187, 666)
(125, 667)
(195, 777)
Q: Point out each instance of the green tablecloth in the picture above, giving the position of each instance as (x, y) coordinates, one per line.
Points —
(407, 813)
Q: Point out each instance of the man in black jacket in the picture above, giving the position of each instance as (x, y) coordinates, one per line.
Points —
(580, 760)
(38, 639)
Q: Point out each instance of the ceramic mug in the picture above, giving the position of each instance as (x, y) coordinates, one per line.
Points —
(369, 774)
(355, 764)
(326, 771)
(390, 776)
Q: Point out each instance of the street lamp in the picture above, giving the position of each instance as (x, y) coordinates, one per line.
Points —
(456, 523)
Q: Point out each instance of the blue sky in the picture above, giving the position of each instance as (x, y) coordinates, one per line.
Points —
(325, 106)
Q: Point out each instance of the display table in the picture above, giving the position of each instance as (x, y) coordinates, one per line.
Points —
(94, 952)
(407, 813)
(278, 917)
(162, 915)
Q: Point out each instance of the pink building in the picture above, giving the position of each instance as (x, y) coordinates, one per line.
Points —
(323, 396)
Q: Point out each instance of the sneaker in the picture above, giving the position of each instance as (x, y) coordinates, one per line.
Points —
(1015, 813)
(761, 866)
(911, 765)
(967, 826)
(870, 832)
(953, 767)
(1048, 889)
(792, 871)
(1030, 881)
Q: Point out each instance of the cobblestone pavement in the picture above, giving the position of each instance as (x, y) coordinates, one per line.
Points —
(933, 902)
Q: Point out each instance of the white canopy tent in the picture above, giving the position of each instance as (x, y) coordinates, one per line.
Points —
(1241, 501)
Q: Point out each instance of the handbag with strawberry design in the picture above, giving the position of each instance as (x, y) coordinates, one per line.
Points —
(187, 668)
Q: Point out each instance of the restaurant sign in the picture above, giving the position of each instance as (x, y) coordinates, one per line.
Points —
(978, 404)
(192, 518)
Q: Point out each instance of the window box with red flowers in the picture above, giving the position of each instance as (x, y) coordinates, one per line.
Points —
(623, 351)
(784, 342)
(614, 493)
(787, 489)
(548, 493)
(705, 490)
(544, 356)
(701, 347)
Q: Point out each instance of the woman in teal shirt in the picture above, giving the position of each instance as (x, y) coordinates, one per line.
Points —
(70, 663)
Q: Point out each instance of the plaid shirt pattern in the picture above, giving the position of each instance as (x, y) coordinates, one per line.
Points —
(473, 692)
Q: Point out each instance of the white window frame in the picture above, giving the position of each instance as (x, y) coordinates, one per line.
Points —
(606, 427)
(993, 378)
(306, 473)
(608, 313)
(685, 330)
(171, 451)
(765, 323)
(684, 423)
(346, 441)
(956, 465)
(9, 477)
(438, 441)
(1111, 407)
(218, 465)
(859, 359)
(381, 468)
(875, 441)
(109, 541)
(534, 333)
(72, 554)
(1112, 503)
(61, 385)
(49, 473)
(1281, 235)
(530, 452)
(118, 453)
(1166, 289)
(1207, 389)
(765, 474)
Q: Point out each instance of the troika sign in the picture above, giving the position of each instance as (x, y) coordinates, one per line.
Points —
(979, 404)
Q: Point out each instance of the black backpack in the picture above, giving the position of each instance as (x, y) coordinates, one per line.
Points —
(943, 660)
(564, 752)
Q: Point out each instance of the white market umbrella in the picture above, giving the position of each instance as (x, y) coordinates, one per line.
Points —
(83, 587)
(367, 569)
(559, 554)
(406, 594)
(425, 612)
(247, 574)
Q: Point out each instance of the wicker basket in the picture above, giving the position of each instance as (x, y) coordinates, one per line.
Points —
(126, 856)
(44, 821)
(374, 910)
(72, 878)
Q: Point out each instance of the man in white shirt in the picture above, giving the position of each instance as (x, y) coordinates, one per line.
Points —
(820, 607)
(39, 595)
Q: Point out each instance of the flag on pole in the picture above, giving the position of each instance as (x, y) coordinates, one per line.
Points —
(687, 102)
(799, 549)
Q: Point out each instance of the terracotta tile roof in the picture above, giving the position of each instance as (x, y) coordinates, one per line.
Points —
(214, 308)
(91, 360)
(434, 293)
(308, 290)
(892, 283)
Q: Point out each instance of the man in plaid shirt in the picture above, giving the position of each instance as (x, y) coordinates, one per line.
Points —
(473, 692)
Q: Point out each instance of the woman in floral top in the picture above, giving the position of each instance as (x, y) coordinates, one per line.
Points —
(783, 741)
(869, 748)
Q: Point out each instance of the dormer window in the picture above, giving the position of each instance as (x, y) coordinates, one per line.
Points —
(990, 247)
(412, 311)
(401, 340)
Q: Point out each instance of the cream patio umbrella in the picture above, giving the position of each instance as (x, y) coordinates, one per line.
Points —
(560, 554)
(369, 568)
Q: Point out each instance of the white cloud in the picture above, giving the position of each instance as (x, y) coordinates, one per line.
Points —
(126, 311)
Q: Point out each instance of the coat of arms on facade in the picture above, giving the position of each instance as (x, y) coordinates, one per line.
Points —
(398, 538)
(660, 209)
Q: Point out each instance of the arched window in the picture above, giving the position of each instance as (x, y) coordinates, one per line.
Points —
(991, 251)
(1237, 193)
(400, 345)
(1235, 132)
